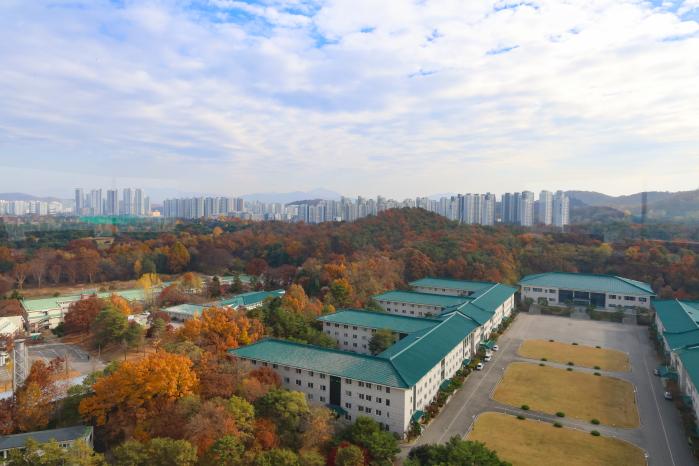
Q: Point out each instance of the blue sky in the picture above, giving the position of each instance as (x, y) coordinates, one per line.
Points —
(399, 98)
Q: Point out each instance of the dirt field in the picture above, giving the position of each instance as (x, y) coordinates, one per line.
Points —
(580, 355)
(534, 443)
(579, 395)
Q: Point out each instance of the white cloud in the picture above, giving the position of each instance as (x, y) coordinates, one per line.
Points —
(400, 98)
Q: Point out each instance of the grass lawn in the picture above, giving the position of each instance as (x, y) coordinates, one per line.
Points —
(584, 356)
(534, 443)
(579, 395)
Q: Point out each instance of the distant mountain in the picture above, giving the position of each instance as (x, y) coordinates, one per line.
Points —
(286, 198)
(27, 197)
(662, 205)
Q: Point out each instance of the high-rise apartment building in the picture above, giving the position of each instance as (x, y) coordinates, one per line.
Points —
(112, 204)
(526, 209)
(138, 202)
(545, 214)
(127, 202)
(488, 209)
(561, 209)
(79, 201)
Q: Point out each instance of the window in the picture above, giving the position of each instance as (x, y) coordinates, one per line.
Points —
(526, 288)
(537, 290)
(354, 328)
(643, 300)
(612, 296)
(310, 384)
(368, 410)
(361, 396)
(286, 379)
(275, 366)
(322, 399)
(311, 373)
(629, 298)
(348, 417)
(354, 345)
(310, 397)
(368, 385)
(378, 412)
(348, 393)
(322, 388)
(388, 390)
(368, 397)
(378, 399)
(348, 405)
(298, 371)
(345, 326)
(388, 402)
(322, 376)
(360, 408)
(264, 364)
(254, 363)
(348, 381)
(298, 382)
(361, 384)
(286, 368)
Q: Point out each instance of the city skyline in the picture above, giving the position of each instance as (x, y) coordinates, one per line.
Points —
(393, 99)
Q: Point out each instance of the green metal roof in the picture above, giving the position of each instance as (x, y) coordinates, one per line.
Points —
(43, 304)
(680, 321)
(588, 282)
(484, 303)
(191, 309)
(416, 354)
(421, 298)
(417, 415)
(690, 362)
(64, 434)
(246, 299)
(371, 319)
(451, 284)
(330, 361)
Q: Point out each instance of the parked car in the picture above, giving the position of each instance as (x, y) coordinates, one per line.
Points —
(496, 347)
(656, 371)
(668, 395)
(487, 357)
(479, 366)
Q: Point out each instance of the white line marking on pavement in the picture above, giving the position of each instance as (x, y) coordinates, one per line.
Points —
(657, 407)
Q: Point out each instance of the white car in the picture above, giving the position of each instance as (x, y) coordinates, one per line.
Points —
(668, 395)
(496, 347)
(487, 357)
(479, 366)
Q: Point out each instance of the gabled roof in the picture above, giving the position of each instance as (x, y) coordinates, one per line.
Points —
(419, 352)
(690, 362)
(327, 360)
(421, 298)
(246, 299)
(451, 284)
(372, 319)
(65, 434)
(680, 321)
(484, 303)
(190, 309)
(588, 282)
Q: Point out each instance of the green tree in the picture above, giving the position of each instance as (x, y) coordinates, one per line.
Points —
(455, 452)
(156, 452)
(134, 334)
(243, 412)
(277, 457)
(351, 455)
(381, 445)
(109, 326)
(52, 454)
(311, 458)
(229, 450)
(382, 339)
(287, 410)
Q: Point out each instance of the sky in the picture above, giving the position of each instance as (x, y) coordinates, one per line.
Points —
(362, 97)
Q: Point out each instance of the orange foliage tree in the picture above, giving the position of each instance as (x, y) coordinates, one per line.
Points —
(33, 400)
(138, 390)
(81, 314)
(121, 304)
(219, 329)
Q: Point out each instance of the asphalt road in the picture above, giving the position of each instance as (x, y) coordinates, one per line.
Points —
(661, 433)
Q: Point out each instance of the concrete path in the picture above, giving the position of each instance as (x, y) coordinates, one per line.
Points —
(661, 433)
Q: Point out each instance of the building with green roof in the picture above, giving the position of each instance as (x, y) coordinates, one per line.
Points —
(604, 292)
(249, 300)
(677, 326)
(412, 303)
(65, 436)
(448, 286)
(404, 379)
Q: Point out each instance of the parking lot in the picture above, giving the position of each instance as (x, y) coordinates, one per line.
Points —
(660, 434)
(78, 359)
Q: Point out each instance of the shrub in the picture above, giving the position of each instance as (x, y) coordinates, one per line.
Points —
(598, 346)
(595, 433)
(569, 369)
(561, 414)
(544, 359)
(597, 367)
(557, 424)
(520, 417)
(575, 344)
(542, 364)
(525, 407)
(597, 374)
(570, 363)
(594, 421)
(551, 340)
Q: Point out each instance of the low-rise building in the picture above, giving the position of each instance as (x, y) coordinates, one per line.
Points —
(396, 385)
(448, 286)
(65, 437)
(677, 326)
(412, 303)
(604, 292)
(251, 300)
(11, 326)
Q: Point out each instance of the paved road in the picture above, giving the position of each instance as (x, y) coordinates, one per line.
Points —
(661, 433)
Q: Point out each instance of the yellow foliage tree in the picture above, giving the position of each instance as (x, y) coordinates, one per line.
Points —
(148, 282)
(219, 329)
(121, 304)
(137, 390)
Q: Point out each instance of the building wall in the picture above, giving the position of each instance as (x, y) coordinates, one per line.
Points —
(613, 300)
(350, 337)
(409, 309)
(384, 404)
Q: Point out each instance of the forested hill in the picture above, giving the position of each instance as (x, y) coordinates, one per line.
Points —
(678, 206)
(374, 254)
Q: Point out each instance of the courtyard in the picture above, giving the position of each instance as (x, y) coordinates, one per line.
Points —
(581, 355)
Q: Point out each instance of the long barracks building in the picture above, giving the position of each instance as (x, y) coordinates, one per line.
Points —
(395, 386)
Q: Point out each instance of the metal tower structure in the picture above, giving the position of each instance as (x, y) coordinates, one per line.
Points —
(20, 364)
